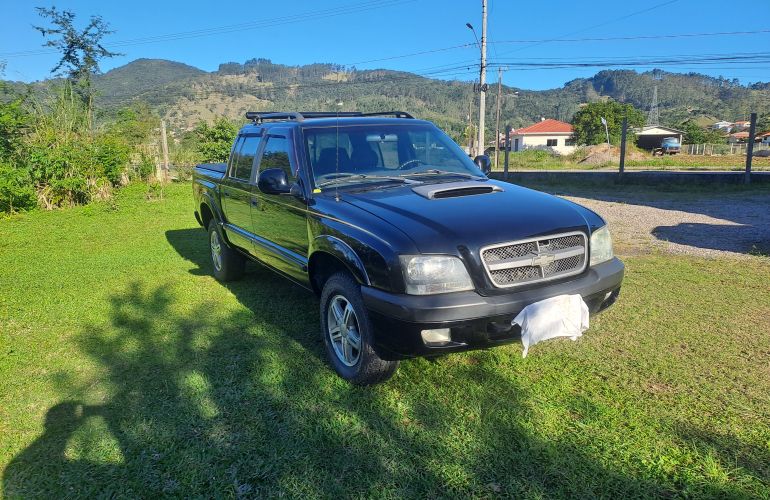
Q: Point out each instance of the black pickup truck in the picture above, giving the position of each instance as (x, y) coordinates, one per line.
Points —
(412, 250)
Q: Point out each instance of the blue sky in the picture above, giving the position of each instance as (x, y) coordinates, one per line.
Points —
(376, 33)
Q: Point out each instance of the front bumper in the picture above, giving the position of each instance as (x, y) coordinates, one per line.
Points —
(475, 321)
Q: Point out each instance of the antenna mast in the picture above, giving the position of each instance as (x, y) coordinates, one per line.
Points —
(653, 118)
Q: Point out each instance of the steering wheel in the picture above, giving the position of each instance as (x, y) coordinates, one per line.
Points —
(407, 162)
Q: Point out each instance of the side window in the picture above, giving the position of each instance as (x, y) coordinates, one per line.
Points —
(276, 155)
(242, 165)
(234, 154)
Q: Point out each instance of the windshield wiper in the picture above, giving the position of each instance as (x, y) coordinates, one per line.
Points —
(344, 177)
(435, 171)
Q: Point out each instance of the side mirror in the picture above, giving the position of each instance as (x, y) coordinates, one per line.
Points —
(296, 191)
(484, 163)
(273, 181)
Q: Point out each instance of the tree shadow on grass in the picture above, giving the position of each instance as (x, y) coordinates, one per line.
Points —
(198, 400)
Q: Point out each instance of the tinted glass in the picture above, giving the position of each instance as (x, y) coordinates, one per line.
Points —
(383, 149)
(276, 155)
(242, 168)
(234, 155)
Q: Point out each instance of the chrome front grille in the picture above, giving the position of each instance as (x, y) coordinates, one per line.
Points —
(534, 260)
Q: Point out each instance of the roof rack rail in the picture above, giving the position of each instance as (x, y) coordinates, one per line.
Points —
(261, 116)
(396, 114)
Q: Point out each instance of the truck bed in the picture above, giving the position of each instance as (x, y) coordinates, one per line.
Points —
(214, 171)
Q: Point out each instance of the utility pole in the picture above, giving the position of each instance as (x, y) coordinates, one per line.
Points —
(483, 75)
(497, 114)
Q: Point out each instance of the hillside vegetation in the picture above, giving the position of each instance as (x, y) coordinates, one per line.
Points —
(186, 95)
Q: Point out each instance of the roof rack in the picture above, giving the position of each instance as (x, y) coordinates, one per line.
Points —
(261, 116)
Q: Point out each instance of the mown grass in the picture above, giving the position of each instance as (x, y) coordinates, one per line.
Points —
(128, 371)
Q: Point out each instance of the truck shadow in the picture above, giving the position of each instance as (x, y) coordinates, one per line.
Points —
(741, 221)
(193, 400)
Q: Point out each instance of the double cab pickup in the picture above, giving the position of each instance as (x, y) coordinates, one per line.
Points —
(411, 248)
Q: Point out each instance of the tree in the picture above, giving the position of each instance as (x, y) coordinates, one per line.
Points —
(763, 123)
(81, 50)
(215, 141)
(695, 134)
(14, 120)
(587, 122)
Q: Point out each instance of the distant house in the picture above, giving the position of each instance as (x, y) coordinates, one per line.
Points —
(549, 134)
(651, 136)
(723, 125)
(738, 137)
(741, 125)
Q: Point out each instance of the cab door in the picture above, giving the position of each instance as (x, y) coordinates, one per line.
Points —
(239, 193)
(280, 220)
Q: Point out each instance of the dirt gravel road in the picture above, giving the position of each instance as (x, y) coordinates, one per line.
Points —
(710, 226)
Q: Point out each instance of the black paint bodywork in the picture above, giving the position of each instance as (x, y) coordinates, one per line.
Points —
(365, 229)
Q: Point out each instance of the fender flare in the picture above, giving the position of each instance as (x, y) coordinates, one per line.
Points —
(342, 251)
(216, 210)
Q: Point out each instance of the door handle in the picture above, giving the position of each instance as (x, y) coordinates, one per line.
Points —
(226, 193)
(254, 202)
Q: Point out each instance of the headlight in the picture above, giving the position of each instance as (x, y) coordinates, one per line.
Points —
(601, 246)
(429, 274)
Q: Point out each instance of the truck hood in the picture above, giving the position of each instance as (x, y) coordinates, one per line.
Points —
(471, 217)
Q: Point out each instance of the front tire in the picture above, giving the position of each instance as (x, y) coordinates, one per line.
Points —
(348, 334)
(228, 264)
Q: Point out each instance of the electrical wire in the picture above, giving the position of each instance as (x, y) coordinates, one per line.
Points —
(266, 23)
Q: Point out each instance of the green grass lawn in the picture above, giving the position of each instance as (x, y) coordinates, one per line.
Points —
(126, 370)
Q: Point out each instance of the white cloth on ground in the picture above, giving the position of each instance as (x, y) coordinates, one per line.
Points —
(560, 316)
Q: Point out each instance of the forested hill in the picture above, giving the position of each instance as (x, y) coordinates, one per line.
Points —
(186, 95)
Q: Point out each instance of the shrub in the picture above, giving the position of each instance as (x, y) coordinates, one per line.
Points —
(16, 189)
(215, 141)
(110, 157)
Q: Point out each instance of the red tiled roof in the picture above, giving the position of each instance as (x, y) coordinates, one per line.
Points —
(549, 126)
(740, 135)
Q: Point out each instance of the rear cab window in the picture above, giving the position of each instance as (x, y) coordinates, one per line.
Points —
(242, 159)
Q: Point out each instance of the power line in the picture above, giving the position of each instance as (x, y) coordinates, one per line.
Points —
(638, 37)
(266, 23)
(567, 40)
(626, 16)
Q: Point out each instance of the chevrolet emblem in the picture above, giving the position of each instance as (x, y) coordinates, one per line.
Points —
(543, 259)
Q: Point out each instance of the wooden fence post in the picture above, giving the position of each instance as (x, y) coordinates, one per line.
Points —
(750, 147)
(507, 150)
(163, 176)
(623, 133)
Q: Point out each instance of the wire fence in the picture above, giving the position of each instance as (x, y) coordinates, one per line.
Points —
(722, 149)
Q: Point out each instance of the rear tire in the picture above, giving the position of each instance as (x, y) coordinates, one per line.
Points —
(348, 334)
(228, 264)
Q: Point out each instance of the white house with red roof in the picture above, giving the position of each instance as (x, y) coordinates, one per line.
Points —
(552, 135)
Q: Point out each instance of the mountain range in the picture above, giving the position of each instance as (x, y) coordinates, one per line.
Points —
(184, 94)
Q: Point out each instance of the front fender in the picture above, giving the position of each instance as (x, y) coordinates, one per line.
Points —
(342, 251)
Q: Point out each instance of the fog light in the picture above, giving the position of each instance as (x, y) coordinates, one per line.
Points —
(436, 337)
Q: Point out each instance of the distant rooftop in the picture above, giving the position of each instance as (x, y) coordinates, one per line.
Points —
(549, 126)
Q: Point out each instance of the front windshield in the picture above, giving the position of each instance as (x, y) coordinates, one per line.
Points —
(384, 150)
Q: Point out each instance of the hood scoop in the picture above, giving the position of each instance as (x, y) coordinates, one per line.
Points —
(455, 189)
